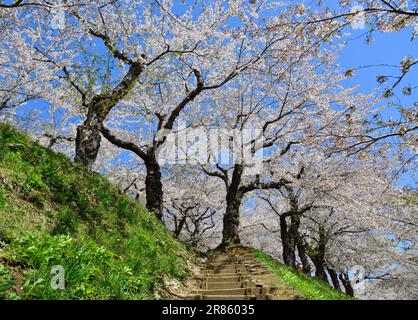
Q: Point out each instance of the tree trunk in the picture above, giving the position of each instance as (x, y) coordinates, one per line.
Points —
(231, 222)
(234, 196)
(319, 269)
(293, 236)
(289, 256)
(88, 136)
(290, 237)
(303, 256)
(179, 227)
(334, 278)
(87, 144)
(318, 256)
(345, 280)
(154, 188)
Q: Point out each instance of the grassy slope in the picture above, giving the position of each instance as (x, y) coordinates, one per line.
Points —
(53, 212)
(309, 287)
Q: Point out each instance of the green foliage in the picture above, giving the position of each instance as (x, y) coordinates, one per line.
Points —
(91, 271)
(33, 181)
(2, 201)
(54, 212)
(6, 281)
(309, 287)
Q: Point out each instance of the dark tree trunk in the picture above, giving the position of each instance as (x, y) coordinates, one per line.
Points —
(87, 144)
(290, 236)
(194, 237)
(88, 140)
(306, 267)
(293, 236)
(231, 222)
(154, 188)
(318, 256)
(319, 269)
(289, 255)
(179, 227)
(153, 184)
(88, 135)
(345, 280)
(334, 278)
(234, 197)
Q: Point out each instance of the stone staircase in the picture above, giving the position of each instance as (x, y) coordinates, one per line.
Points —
(236, 274)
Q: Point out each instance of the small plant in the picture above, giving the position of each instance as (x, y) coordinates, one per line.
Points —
(6, 281)
(33, 181)
(2, 202)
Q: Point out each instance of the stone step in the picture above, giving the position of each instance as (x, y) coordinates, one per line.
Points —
(237, 267)
(219, 264)
(229, 291)
(228, 297)
(225, 272)
(221, 258)
(245, 261)
(229, 267)
(249, 263)
(223, 275)
(244, 258)
(223, 266)
(259, 272)
(212, 268)
(252, 265)
(221, 285)
(226, 279)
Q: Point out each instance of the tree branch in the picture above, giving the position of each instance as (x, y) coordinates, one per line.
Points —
(122, 144)
(264, 186)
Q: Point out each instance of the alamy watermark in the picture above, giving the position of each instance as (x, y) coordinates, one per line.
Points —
(58, 277)
(358, 279)
(199, 146)
(58, 16)
(359, 19)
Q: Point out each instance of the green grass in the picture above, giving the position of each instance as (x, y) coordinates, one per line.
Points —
(309, 287)
(54, 212)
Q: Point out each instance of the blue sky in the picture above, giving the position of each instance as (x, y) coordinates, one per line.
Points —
(388, 49)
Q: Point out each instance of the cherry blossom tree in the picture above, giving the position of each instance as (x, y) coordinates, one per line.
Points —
(22, 3)
(193, 206)
(17, 77)
(294, 111)
(341, 214)
(394, 136)
(214, 58)
(384, 15)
